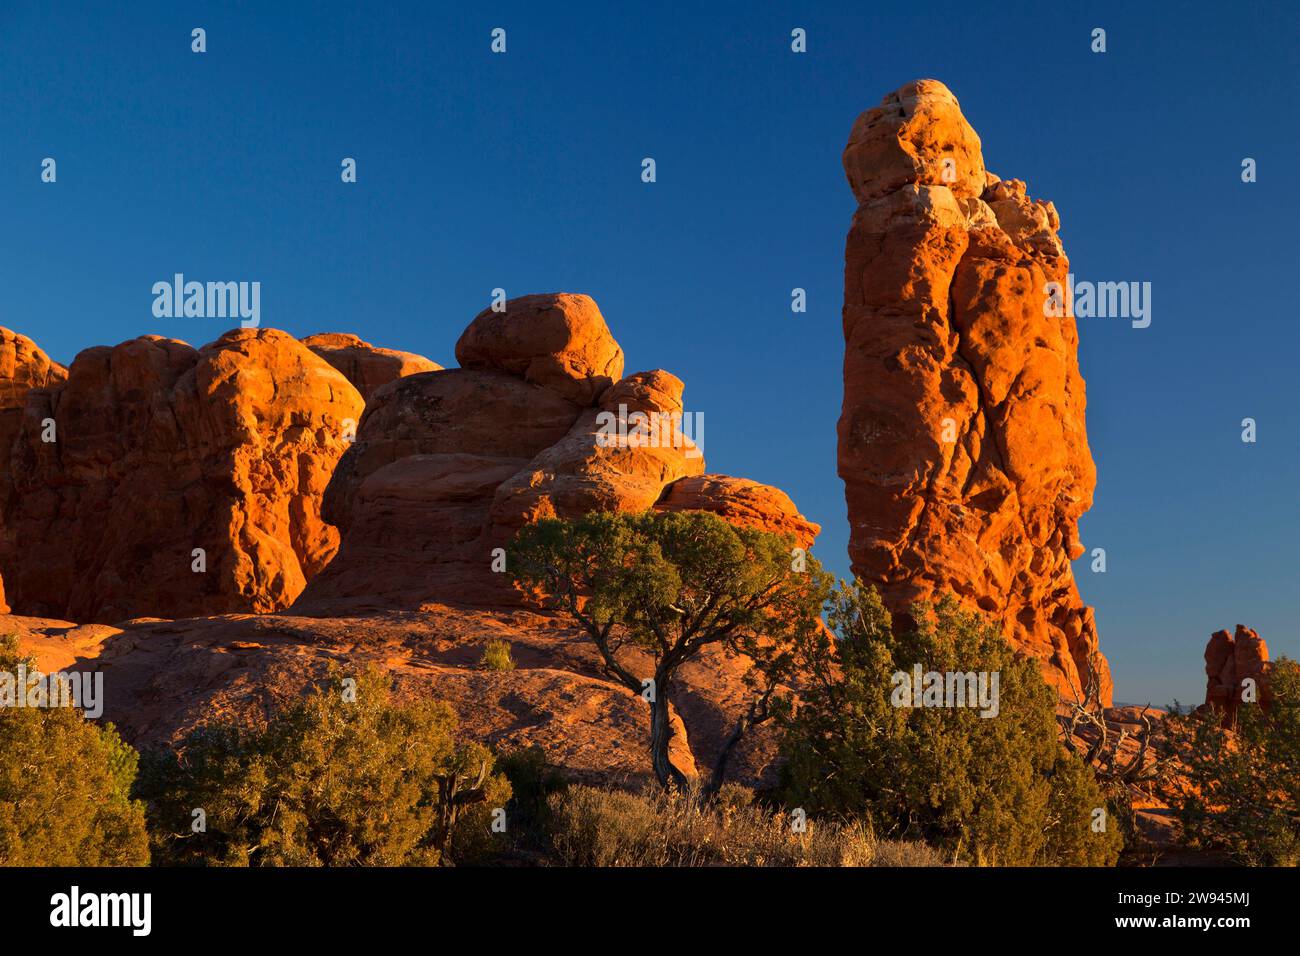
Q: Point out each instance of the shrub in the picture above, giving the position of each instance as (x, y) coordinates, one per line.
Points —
(596, 827)
(65, 787)
(532, 782)
(496, 656)
(1242, 790)
(336, 779)
(997, 790)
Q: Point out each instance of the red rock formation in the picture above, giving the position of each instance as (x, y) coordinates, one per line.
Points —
(962, 442)
(1230, 661)
(448, 465)
(366, 366)
(742, 502)
(557, 340)
(161, 449)
(23, 367)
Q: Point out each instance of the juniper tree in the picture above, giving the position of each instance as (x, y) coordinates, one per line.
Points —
(671, 585)
(345, 776)
(996, 789)
(65, 785)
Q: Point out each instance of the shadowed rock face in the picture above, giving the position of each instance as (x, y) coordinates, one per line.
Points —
(962, 442)
(23, 367)
(160, 450)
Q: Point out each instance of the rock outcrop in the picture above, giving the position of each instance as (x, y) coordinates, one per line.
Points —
(178, 482)
(962, 442)
(366, 366)
(1236, 668)
(241, 449)
(448, 465)
(23, 367)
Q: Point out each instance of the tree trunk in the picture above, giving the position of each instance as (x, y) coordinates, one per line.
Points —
(720, 766)
(661, 736)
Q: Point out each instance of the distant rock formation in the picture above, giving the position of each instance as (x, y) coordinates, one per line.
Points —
(962, 442)
(1236, 666)
(160, 450)
(448, 465)
(366, 366)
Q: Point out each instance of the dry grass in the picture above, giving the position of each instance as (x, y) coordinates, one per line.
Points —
(594, 827)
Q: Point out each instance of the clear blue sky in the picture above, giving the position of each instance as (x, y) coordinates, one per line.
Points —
(523, 171)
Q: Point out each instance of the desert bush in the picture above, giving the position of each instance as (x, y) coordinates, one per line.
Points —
(343, 777)
(1241, 790)
(496, 656)
(996, 790)
(599, 827)
(65, 786)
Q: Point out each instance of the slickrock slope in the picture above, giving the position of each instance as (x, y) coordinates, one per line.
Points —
(1230, 660)
(161, 449)
(366, 366)
(448, 465)
(962, 442)
(164, 678)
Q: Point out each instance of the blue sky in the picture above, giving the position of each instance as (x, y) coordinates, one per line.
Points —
(523, 171)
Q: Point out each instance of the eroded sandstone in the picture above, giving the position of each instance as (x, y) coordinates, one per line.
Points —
(962, 441)
(180, 481)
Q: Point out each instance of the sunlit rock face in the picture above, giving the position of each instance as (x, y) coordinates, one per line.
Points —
(962, 441)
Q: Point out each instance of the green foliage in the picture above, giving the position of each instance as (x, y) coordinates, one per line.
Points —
(1243, 785)
(670, 585)
(998, 790)
(336, 779)
(532, 782)
(65, 787)
(496, 656)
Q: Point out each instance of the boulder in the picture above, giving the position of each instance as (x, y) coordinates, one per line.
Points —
(556, 340)
(742, 502)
